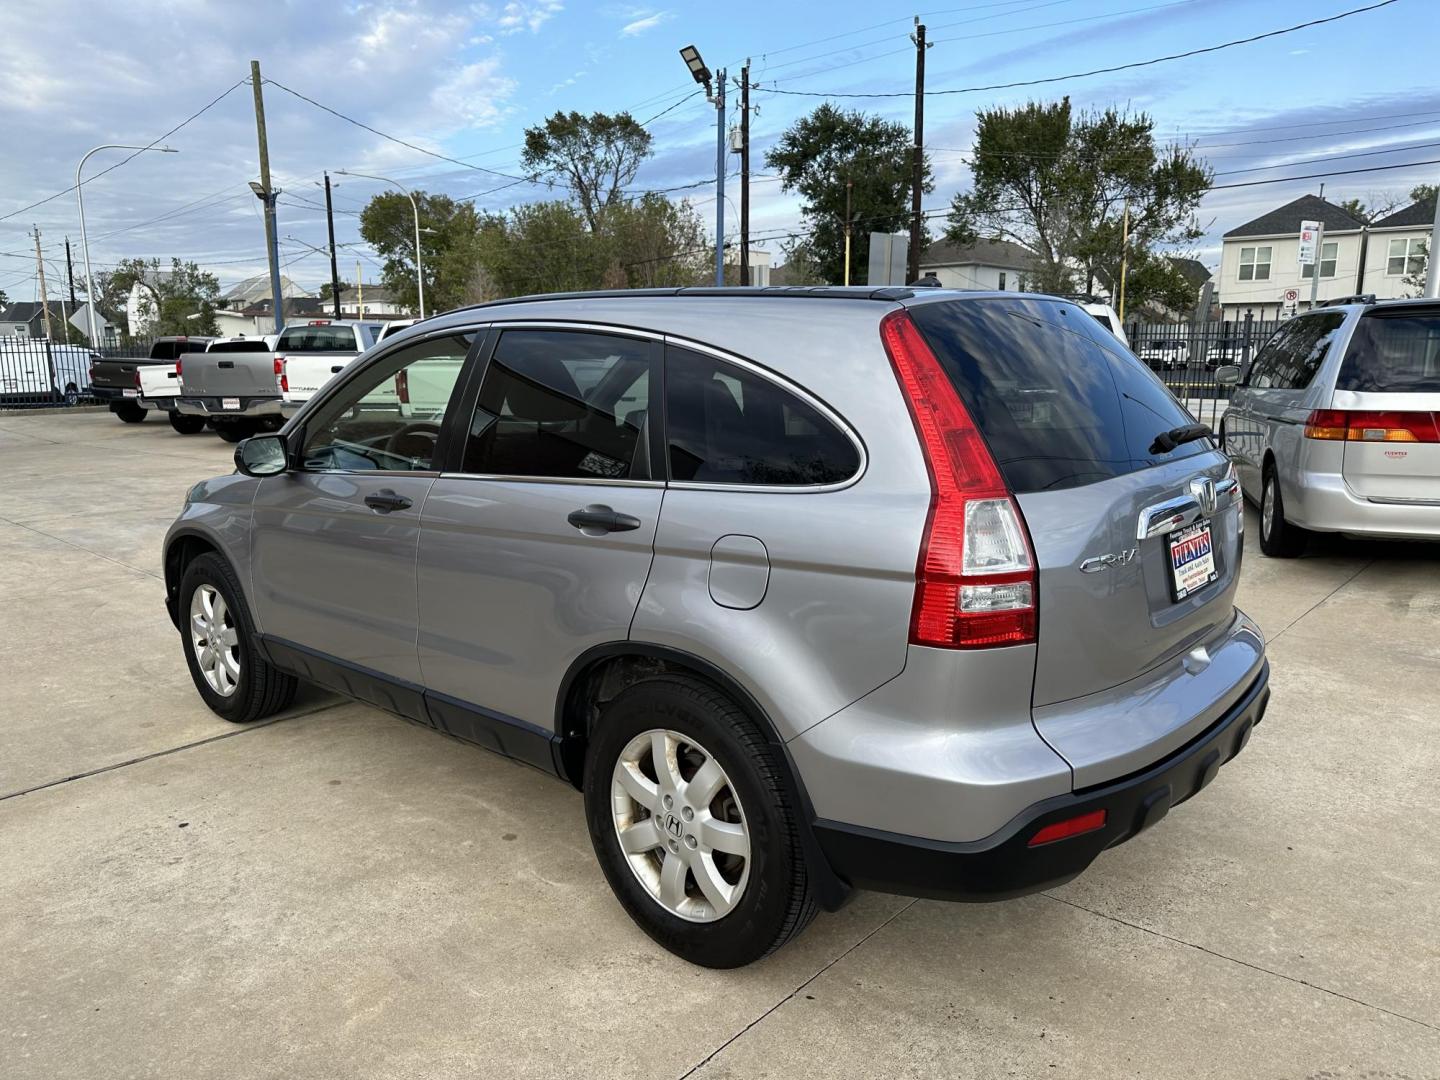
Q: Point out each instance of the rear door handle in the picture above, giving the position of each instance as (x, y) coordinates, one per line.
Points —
(602, 518)
(385, 500)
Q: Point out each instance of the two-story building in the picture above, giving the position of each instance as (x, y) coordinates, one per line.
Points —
(985, 264)
(1259, 261)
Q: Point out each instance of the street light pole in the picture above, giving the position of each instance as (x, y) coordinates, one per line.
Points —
(720, 178)
(414, 206)
(84, 240)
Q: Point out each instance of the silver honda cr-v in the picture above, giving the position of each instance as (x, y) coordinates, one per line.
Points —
(805, 589)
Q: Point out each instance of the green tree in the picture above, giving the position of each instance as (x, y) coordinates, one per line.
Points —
(449, 238)
(4, 300)
(823, 152)
(594, 156)
(326, 290)
(180, 300)
(1059, 184)
(652, 242)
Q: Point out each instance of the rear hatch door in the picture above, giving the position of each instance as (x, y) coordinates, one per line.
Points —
(1388, 387)
(242, 369)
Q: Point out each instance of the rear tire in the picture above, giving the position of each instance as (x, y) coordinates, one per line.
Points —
(1278, 538)
(774, 901)
(129, 412)
(187, 425)
(249, 687)
(233, 431)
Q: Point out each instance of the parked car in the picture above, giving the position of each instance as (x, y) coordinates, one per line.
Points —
(1105, 315)
(710, 617)
(116, 382)
(1225, 352)
(310, 355)
(39, 371)
(234, 387)
(1164, 354)
(1335, 427)
(160, 390)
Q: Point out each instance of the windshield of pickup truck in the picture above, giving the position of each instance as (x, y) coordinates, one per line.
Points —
(302, 339)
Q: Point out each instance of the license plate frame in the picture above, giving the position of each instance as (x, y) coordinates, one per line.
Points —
(129, 393)
(230, 404)
(1190, 556)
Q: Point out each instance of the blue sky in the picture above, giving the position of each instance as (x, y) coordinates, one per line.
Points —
(465, 79)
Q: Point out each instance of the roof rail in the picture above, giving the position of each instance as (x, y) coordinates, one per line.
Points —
(812, 292)
(1358, 298)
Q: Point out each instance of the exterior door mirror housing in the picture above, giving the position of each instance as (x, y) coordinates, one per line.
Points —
(1228, 374)
(262, 455)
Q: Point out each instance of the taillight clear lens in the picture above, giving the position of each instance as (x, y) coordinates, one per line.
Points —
(994, 542)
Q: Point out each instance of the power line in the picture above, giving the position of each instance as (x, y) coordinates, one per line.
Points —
(1333, 157)
(1321, 176)
(1095, 71)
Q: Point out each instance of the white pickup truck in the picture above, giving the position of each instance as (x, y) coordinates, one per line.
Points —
(309, 355)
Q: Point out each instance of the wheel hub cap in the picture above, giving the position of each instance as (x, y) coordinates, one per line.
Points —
(215, 640)
(680, 825)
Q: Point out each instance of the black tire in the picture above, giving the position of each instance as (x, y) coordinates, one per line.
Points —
(777, 902)
(261, 689)
(129, 412)
(72, 394)
(233, 431)
(187, 425)
(1281, 540)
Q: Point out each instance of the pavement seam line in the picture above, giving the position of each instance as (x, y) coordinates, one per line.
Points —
(788, 997)
(170, 750)
(1368, 563)
(78, 547)
(1242, 963)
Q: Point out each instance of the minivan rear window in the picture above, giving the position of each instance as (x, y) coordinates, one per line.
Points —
(1393, 353)
(1045, 394)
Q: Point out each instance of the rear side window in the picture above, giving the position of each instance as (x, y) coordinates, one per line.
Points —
(1393, 354)
(1290, 359)
(562, 404)
(254, 345)
(728, 425)
(301, 339)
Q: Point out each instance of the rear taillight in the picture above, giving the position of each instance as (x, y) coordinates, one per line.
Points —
(1346, 425)
(137, 378)
(281, 379)
(975, 583)
(179, 368)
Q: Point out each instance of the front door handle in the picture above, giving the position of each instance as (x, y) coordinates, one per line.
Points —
(385, 500)
(603, 519)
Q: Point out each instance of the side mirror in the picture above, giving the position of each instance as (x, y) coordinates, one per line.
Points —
(1228, 374)
(262, 455)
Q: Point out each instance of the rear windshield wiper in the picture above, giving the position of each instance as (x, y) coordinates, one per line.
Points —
(1169, 440)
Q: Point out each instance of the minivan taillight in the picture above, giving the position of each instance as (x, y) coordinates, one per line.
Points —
(1345, 425)
(975, 581)
(281, 379)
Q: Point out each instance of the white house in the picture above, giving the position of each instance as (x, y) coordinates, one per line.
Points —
(255, 289)
(27, 319)
(379, 303)
(759, 265)
(1259, 261)
(985, 264)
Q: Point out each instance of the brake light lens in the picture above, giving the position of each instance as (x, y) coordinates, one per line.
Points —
(1342, 425)
(282, 380)
(975, 583)
(1075, 826)
(137, 378)
(179, 365)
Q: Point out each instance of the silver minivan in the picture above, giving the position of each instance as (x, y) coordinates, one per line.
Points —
(807, 590)
(1335, 427)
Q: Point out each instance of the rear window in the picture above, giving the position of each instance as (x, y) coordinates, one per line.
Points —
(255, 345)
(1040, 379)
(170, 349)
(1393, 354)
(301, 339)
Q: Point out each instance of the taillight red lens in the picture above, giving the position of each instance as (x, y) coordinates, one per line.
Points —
(975, 583)
(282, 380)
(179, 365)
(137, 378)
(1372, 426)
(1075, 826)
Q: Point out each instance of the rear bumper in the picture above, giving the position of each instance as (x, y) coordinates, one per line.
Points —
(1323, 502)
(214, 407)
(108, 394)
(160, 404)
(1003, 864)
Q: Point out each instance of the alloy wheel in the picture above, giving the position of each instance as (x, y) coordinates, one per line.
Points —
(1267, 508)
(215, 639)
(680, 825)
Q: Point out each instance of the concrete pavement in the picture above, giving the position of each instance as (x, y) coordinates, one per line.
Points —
(340, 893)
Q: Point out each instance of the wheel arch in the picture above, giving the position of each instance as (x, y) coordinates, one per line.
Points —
(181, 550)
(601, 672)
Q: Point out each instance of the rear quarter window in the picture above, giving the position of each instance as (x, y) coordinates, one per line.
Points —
(1393, 353)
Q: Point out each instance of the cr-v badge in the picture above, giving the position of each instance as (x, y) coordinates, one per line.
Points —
(1104, 562)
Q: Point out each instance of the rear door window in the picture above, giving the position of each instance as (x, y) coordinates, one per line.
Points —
(728, 425)
(1397, 353)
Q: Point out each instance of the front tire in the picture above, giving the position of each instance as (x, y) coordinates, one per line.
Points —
(689, 815)
(187, 425)
(218, 637)
(1278, 538)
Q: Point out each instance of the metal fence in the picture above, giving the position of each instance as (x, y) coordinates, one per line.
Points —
(1185, 356)
(36, 373)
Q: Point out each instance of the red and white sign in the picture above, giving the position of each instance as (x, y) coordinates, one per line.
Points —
(1309, 234)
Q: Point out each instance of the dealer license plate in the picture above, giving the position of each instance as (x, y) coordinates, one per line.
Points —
(1192, 559)
(230, 404)
(129, 393)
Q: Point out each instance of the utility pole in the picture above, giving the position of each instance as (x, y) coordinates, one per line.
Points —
(360, 291)
(720, 178)
(267, 195)
(745, 173)
(334, 268)
(44, 298)
(917, 179)
(847, 230)
(70, 273)
(1124, 258)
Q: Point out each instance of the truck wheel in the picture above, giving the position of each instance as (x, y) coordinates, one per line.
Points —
(689, 816)
(72, 394)
(1278, 538)
(187, 425)
(233, 431)
(129, 412)
(218, 637)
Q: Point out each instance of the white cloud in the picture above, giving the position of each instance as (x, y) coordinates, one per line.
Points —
(518, 15)
(649, 22)
(475, 94)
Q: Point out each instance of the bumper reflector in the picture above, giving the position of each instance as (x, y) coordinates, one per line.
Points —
(1075, 826)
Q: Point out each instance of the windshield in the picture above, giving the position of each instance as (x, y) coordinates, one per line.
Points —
(1394, 353)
